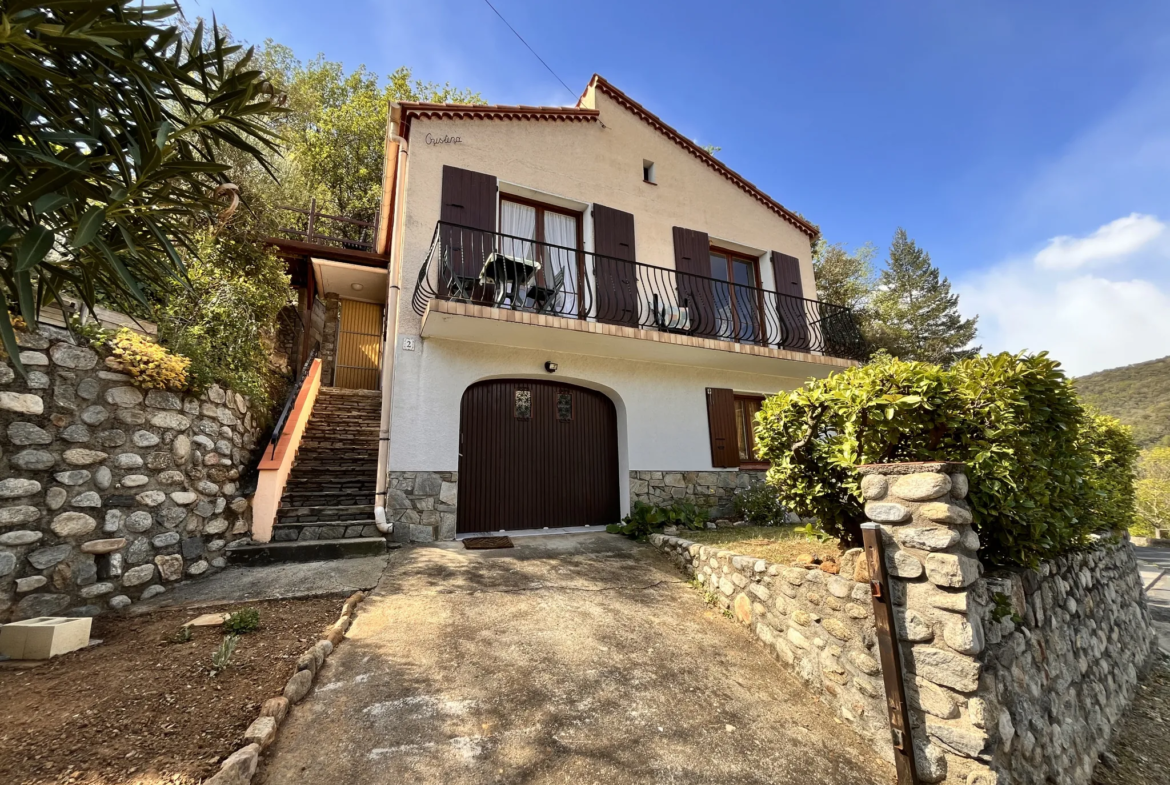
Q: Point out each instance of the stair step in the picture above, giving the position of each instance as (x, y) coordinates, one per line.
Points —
(309, 550)
(324, 498)
(357, 512)
(367, 521)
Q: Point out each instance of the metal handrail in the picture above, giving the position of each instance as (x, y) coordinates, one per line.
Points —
(278, 429)
(505, 271)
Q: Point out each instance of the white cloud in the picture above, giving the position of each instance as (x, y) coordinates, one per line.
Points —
(1087, 321)
(1111, 243)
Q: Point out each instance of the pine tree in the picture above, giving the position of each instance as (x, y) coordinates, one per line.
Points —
(914, 314)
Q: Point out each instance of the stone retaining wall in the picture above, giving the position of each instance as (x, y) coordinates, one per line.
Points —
(422, 505)
(820, 626)
(1063, 664)
(714, 489)
(1015, 678)
(110, 493)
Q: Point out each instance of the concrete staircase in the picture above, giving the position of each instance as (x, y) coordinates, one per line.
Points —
(330, 492)
(327, 510)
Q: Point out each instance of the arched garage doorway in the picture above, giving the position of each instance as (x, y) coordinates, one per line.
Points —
(535, 453)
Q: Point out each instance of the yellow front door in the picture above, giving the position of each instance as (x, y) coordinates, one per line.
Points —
(359, 346)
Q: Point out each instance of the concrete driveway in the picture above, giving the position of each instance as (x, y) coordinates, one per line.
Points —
(574, 659)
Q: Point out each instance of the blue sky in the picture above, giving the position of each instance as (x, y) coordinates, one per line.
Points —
(1025, 145)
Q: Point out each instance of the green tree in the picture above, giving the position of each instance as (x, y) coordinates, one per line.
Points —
(114, 130)
(224, 315)
(335, 130)
(915, 315)
(845, 278)
(1153, 491)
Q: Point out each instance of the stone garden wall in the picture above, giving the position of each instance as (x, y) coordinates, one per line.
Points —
(108, 493)
(1063, 659)
(820, 626)
(714, 490)
(422, 505)
(1016, 678)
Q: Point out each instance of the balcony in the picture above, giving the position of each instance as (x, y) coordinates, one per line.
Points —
(471, 272)
(312, 233)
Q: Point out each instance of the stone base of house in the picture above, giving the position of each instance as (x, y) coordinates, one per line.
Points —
(422, 505)
(714, 490)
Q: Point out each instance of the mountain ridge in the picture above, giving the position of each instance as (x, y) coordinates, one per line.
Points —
(1138, 395)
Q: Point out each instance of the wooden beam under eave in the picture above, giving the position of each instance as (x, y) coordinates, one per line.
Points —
(329, 252)
(385, 229)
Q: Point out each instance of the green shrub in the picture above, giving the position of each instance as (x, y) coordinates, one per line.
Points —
(242, 621)
(224, 316)
(759, 505)
(1044, 472)
(151, 366)
(643, 519)
(687, 515)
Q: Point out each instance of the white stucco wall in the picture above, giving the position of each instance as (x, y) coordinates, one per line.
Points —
(661, 408)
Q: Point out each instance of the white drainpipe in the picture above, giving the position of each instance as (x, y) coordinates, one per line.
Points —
(394, 286)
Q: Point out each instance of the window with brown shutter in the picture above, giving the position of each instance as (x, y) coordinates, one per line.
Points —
(746, 409)
(721, 427)
(793, 310)
(469, 201)
(614, 276)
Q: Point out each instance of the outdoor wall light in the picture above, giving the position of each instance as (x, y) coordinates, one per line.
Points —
(551, 367)
(357, 287)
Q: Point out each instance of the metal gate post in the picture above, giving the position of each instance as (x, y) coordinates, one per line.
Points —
(887, 639)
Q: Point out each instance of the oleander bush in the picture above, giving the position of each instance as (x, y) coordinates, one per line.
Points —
(1045, 472)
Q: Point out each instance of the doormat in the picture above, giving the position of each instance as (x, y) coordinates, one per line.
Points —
(487, 543)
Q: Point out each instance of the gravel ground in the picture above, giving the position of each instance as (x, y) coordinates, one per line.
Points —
(1141, 750)
(142, 708)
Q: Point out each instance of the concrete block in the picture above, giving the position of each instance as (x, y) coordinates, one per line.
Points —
(44, 637)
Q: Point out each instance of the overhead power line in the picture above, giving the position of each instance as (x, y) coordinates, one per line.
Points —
(530, 49)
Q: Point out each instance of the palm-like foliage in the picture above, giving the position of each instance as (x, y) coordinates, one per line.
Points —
(114, 128)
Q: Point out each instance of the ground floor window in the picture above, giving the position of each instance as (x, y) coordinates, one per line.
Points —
(746, 408)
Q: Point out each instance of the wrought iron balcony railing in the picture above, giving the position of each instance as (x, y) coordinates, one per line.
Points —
(504, 271)
(313, 226)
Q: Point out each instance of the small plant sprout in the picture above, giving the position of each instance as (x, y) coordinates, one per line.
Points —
(222, 656)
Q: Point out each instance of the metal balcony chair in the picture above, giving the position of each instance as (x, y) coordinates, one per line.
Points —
(459, 287)
(544, 298)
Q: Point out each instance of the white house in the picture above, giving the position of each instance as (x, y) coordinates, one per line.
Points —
(585, 309)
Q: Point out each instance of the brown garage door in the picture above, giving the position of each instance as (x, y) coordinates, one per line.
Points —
(536, 454)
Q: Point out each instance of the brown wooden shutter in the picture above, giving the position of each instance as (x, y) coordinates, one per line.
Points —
(692, 260)
(721, 426)
(469, 200)
(791, 306)
(614, 276)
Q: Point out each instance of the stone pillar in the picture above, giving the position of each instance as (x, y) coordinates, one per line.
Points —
(931, 557)
(329, 337)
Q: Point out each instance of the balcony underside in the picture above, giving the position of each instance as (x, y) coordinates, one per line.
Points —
(475, 323)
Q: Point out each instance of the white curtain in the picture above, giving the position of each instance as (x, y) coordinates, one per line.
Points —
(518, 220)
(561, 230)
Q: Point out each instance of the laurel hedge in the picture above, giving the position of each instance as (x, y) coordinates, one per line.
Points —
(1045, 471)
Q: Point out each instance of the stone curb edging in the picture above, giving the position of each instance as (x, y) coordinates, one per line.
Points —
(239, 767)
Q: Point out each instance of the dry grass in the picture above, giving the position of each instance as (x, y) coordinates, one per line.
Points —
(777, 544)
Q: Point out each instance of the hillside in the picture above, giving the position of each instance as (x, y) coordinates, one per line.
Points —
(1138, 395)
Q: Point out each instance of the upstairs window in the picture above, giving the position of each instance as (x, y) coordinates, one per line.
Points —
(648, 175)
